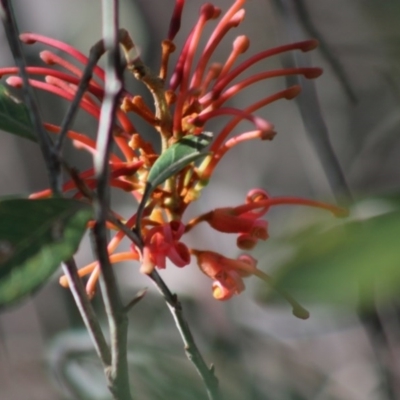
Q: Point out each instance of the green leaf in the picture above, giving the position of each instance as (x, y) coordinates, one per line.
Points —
(35, 237)
(354, 261)
(14, 116)
(173, 160)
(177, 157)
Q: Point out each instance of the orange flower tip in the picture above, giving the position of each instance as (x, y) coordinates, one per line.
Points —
(248, 259)
(215, 69)
(238, 18)
(301, 312)
(267, 134)
(47, 57)
(14, 81)
(147, 268)
(90, 293)
(168, 46)
(64, 282)
(170, 97)
(26, 38)
(309, 45)
(221, 293)
(126, 105)
(209, 11)
(313, 73)
(175, 23)
(196, 121)
(40, 195)
(246, 244)
(194, 92)
(241, 44)
(292, 92)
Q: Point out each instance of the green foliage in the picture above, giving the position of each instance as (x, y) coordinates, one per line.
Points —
(35, 237)
(177, 157)
(14, 116)
(355, 260)
(173, 160)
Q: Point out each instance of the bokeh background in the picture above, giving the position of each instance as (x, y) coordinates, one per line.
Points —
(260, 351)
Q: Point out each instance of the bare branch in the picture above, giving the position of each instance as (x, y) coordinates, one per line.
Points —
(50, 157)
(96, 52)
(118, 373)
(86, 310)
(191, 349)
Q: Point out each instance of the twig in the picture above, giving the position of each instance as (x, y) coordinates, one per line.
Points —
(51, 159)
(96, 51)
(175, 307)
(191, 350)
(118, 374)
(86, 310)
(139, 296)
(53, 163)
(156, 87)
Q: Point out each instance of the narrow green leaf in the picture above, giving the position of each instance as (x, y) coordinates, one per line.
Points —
(173, 160)
(35, 237)
(357, 260)
(14, 116)
(177, 157)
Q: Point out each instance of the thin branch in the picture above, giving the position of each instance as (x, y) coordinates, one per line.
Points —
(117, 319)
(53, 163)
(156, 87)
(191, 349)
(50, 157)
(86, 310)
(96, 51)
(175, 307)
(138, 297)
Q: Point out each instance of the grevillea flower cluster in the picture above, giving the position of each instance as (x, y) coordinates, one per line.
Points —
(187, 96)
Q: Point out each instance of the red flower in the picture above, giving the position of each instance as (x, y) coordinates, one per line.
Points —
(226, 273)
(162, 242)
(195, 92)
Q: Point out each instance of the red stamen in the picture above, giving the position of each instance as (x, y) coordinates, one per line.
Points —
(240, 46)
(226, 18)
(117, 183)
(175, 23)
(213, 73)
(79, 138)
(242, 138)
(218, 99)
(114, 258)
(212, 44)
(16, 81)
(53, 59)
(304, 46)
(288, 94)
(30, 38)
(71, 89)
(176, 76)
(125, 169)
(275, 201)
(207, 12)
(260, 123)
(51, 72)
